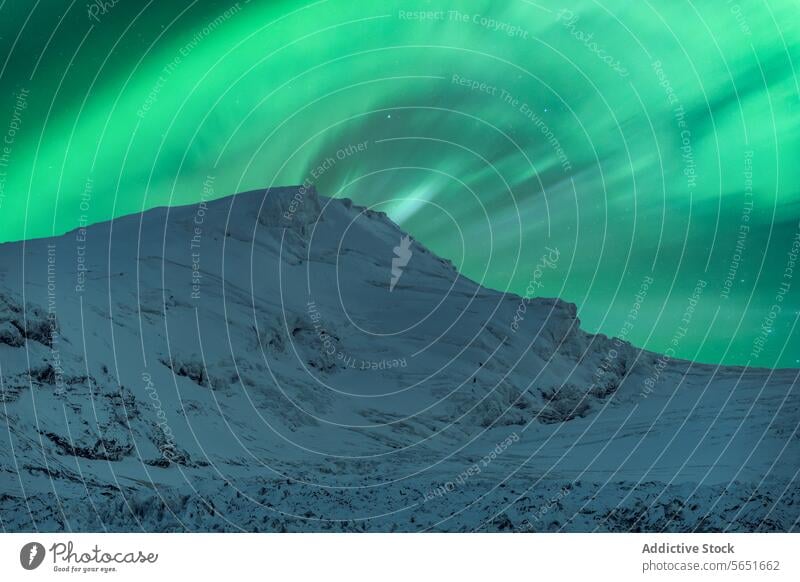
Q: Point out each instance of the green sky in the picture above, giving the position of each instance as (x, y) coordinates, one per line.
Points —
(639, 139)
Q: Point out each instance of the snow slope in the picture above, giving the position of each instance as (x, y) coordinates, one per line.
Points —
(248, 364)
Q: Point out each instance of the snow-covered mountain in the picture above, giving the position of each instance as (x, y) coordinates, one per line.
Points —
(279, 361)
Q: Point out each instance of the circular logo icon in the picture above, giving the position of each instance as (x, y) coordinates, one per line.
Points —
(31, 555)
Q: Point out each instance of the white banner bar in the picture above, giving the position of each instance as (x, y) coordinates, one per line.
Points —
(388, 557)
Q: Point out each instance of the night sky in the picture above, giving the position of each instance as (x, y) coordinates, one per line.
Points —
(655, 147)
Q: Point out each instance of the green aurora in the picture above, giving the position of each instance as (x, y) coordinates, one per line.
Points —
(638, 139)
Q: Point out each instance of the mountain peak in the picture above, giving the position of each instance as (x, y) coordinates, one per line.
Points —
(278, 333)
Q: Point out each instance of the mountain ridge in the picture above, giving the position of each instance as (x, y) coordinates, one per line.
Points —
(258, 339)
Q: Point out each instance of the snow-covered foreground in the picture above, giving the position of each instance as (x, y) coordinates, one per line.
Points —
(281, 361)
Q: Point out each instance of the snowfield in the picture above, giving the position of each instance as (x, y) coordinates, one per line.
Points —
(280, 361)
